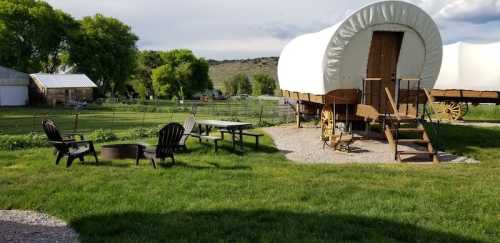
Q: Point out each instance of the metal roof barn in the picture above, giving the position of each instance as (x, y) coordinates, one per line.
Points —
(55, 89)
(64, 80)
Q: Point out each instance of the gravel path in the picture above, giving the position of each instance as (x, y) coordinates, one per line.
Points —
(473, 123)
(304, 146)
(27, 227)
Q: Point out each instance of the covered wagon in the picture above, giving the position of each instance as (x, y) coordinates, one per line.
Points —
(373, 63)
(470, 74)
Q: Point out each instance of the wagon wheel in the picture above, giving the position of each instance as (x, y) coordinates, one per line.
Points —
(465, 109)
(453, 110)
(326, 123)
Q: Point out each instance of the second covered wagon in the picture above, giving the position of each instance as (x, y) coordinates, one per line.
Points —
(470, 74)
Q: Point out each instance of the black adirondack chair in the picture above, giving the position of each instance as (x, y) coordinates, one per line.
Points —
(168, 141)
(67, 147)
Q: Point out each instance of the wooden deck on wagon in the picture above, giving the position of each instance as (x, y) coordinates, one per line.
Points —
(471, 96)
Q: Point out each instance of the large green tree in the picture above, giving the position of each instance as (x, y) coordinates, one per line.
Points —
(141, 79)
(32, 35)
(164, 81)
(238, 84)
(181, 74)
(263, 85)
(105, 49)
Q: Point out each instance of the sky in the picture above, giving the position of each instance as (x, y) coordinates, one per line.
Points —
(231, 29)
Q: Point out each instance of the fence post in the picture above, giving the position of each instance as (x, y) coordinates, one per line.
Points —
(143, 115)
(113, 120)
(33, 122)
(260, 114)
(75, 122)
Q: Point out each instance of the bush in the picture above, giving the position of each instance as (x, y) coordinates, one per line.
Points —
(31, 140)
(34, 140)
(263, 85)
(101, 135)
(137, 133)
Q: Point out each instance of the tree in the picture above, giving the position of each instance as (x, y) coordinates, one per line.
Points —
(33, 35)
(163, 80)
(105, 49)
(239, 84)
(141, 79)
(182, 72)
(230, 87)
(263, 85)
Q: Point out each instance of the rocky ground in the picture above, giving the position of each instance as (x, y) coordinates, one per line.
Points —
(304, 146)
(28, 226)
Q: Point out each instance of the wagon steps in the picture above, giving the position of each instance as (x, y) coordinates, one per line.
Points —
(410, 133)
(402, 128)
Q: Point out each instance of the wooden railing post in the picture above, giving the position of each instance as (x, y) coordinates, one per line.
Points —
(297, 114)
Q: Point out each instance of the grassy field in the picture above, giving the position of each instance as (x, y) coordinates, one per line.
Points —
(483, 112)
(259, 196)
(122, 117)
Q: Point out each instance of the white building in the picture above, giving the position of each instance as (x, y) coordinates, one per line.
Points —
(13, 87)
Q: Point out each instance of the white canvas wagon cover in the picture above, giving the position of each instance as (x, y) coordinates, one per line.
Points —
(337, 57)
(467, 66)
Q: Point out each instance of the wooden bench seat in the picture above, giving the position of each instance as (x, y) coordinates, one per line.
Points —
(214, 139)
(245, 133)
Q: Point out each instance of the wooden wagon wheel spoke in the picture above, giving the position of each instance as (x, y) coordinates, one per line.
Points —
(326, 123)
(464, 109)
(454, 110)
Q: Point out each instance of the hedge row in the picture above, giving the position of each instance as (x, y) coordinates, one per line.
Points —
(36, 140)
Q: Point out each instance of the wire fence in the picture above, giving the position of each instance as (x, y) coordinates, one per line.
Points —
(118, 116)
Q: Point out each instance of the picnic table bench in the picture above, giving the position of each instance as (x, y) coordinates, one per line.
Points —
(245, 133)
(214, 139)
(235, 128)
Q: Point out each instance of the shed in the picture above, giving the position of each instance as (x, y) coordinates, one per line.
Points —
(13, 87)
(61, 88)
(387, 40)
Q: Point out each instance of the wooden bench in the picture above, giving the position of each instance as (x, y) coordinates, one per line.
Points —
(214, 139)
(245, 133)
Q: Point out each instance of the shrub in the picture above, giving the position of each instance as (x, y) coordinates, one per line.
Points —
(136, 133)
(31, 140)
(101, 135)
(263, 85)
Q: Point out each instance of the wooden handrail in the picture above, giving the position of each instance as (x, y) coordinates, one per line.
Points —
(393, 104)
(430, 99)
(373, 79)
(429, 96)
(410, 79)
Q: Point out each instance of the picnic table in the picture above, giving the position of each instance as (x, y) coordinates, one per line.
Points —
(235, 128)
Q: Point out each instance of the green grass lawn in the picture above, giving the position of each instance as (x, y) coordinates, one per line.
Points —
(259, 196)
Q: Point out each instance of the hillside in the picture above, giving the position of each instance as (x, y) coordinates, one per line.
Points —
(221, 71)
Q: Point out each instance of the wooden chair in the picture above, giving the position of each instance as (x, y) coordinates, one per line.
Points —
(189, 124)
(67, 147)
(343, 139)
(168, 141)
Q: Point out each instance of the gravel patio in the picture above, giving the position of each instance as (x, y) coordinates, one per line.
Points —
(304, 146)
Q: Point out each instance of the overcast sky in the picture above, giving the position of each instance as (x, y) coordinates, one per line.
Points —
(226, 29)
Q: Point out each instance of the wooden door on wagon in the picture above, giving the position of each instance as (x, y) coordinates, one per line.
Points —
(382, 63)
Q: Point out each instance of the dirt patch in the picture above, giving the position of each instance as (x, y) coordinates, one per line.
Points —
(304, 146)
(28, 226)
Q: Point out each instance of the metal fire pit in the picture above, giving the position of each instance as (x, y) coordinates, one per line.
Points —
(121, 151)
